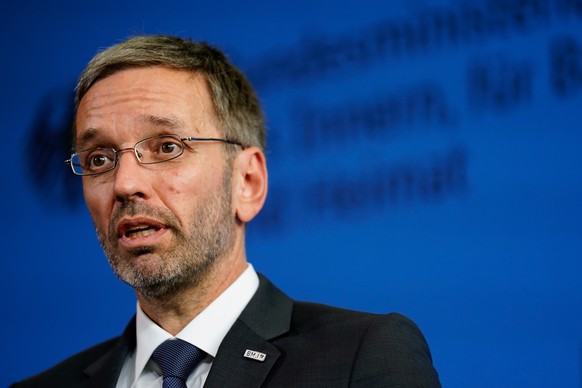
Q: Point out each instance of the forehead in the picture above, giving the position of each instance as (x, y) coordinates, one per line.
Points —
(134, 100)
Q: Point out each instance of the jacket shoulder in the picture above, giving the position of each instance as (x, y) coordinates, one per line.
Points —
(394, 352)
(378, 349)
(310, 310)
(70, 371)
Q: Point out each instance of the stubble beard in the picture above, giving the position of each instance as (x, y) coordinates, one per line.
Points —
(188, 261)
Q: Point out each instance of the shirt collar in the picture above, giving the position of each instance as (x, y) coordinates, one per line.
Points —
(207, 329)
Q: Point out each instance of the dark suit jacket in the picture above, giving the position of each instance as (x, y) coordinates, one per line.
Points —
(306, 345)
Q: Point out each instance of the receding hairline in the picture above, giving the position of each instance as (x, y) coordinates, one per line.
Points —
(154, 119)
(82, 89)
(234, 100)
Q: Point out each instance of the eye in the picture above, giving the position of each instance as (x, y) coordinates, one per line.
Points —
(159, 149)
(169, 148)
(97, 160)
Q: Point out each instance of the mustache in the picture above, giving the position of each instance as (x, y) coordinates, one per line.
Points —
(130, 209)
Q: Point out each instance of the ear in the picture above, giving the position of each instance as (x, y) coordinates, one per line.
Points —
(249, 184)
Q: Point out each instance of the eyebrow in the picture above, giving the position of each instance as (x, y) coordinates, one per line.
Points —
(165, 122)
(87, 137)
(168, 123)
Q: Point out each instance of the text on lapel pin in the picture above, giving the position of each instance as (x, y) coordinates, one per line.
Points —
(253, 354)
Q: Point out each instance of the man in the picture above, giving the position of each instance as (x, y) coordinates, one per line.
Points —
(169, 141)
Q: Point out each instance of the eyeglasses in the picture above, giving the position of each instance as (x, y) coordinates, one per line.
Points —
(156, 149)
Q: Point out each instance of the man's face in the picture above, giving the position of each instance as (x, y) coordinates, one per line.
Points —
(162, 226)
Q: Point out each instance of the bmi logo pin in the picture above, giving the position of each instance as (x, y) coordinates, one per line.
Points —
(253, 354)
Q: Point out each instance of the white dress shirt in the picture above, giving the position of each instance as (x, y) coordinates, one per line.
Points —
(206, 331)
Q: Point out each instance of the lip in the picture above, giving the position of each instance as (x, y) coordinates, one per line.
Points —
(127, 224)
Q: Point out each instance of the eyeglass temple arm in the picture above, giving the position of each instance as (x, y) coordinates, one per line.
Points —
(212, 139)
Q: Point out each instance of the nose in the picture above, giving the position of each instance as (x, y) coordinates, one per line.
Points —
(130, 181)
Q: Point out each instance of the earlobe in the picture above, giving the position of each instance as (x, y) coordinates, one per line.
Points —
(250, 183)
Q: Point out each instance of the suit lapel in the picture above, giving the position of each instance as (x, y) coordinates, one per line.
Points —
(268, 315)
(104, 372)
(232, 369)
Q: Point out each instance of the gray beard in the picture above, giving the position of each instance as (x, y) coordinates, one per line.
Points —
(188, 261)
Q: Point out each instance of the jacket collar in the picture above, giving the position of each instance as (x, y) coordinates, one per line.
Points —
(246, 357)
(105, 371)
(238, 362)
(269, 311)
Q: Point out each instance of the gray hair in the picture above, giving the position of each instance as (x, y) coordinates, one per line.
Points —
(235, 102)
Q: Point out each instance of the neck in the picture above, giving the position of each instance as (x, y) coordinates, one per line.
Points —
(173, 313)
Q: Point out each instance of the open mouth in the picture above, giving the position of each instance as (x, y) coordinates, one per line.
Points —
(140, 231)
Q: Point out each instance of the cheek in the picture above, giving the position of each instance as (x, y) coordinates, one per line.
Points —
(183, 191)
(175, 188)
(182, 183)
(96, 201)
(176, 191)
(171, 184)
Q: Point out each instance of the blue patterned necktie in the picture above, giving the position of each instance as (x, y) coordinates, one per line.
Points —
(177, 359)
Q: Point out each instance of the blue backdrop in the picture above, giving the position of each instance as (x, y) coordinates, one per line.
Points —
(424, 158)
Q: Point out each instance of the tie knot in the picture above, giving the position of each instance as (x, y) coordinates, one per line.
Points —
(177, 358)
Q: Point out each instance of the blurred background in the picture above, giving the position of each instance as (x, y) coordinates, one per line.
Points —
(424, 158)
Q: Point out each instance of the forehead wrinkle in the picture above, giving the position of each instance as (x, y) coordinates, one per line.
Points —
(157, 121)
(165, 122)
(88, 135)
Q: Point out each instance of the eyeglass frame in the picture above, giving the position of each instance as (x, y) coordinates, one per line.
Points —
(116, 153)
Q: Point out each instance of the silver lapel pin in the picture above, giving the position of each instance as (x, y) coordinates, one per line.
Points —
(253, 354)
